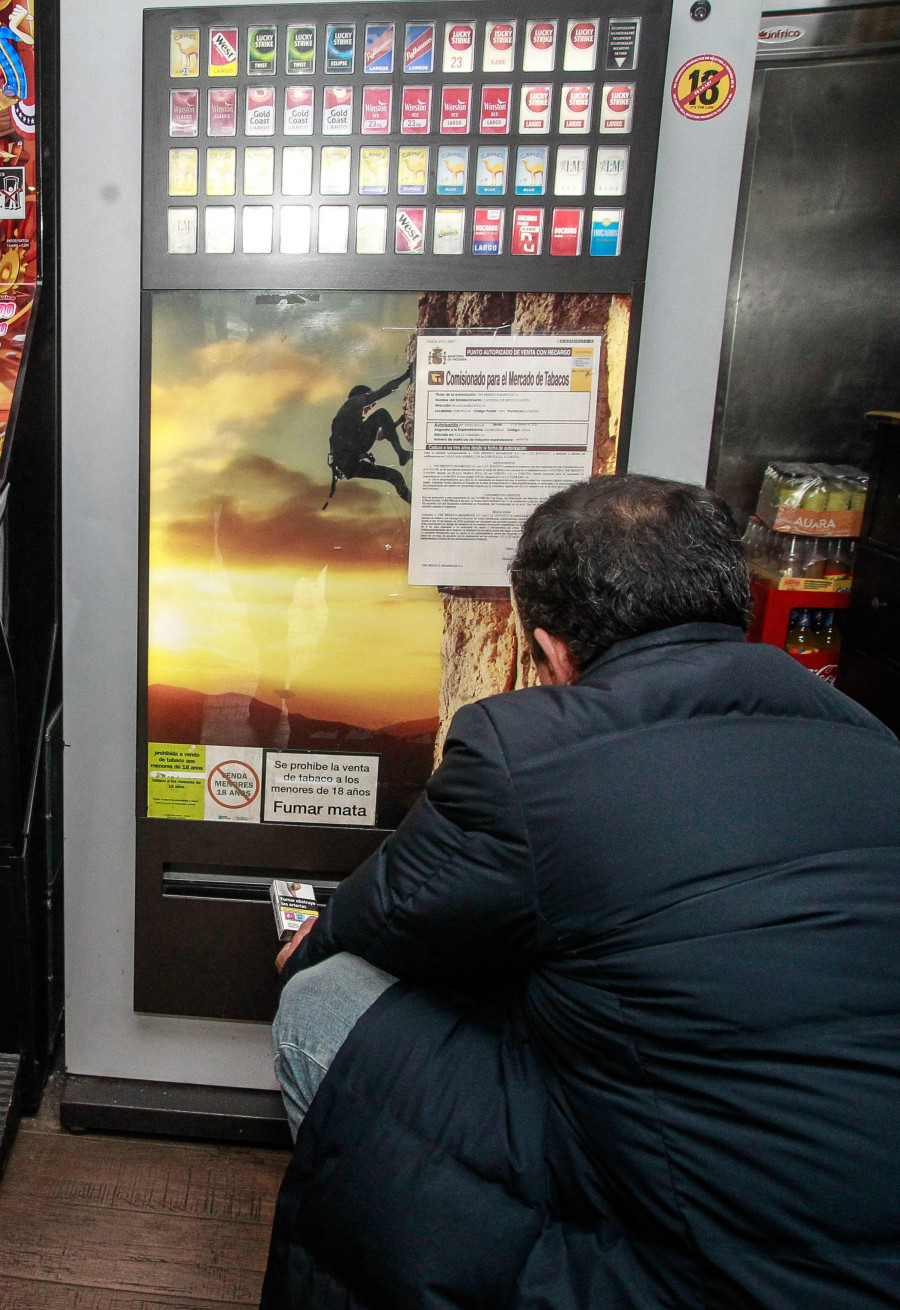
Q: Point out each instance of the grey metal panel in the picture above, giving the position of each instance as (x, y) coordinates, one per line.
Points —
(814, 318)
(827, 31)
(694, 204)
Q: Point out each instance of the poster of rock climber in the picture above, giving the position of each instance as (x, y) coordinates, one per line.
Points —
(279, 613)
(19, 215)
(277, 479)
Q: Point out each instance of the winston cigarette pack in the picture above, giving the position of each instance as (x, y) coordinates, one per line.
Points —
(293, 903)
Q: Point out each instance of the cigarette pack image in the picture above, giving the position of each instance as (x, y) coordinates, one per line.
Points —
(293, 903)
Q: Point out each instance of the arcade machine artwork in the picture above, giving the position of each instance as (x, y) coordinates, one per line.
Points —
(296, 675)
(19, 270)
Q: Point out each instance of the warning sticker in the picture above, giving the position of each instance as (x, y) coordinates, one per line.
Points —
(176, 781)
(312, 787)
(204, 782)
(703, 87)
(233, 783)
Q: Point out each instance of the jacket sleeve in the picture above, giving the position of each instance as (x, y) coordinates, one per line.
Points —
(450, 896)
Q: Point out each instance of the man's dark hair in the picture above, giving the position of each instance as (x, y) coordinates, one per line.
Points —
(620, 556)
(358, 391)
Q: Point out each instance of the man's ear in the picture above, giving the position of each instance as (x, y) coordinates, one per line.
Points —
(557, 669)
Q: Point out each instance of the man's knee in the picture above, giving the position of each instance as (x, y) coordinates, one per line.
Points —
(320, 1005)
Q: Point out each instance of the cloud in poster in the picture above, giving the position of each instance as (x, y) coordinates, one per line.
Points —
(255, 512)
(228, 401)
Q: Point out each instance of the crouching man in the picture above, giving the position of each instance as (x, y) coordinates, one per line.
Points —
(612, 1021)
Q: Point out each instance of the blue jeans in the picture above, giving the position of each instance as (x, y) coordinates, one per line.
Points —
(318, 1008)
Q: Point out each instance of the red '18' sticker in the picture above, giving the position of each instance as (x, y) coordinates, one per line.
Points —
(703, 87)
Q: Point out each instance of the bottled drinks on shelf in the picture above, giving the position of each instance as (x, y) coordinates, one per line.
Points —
(775, 556)
(815, 487)
(814, 639)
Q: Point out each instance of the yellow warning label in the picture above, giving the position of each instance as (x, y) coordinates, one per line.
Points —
(703, 87)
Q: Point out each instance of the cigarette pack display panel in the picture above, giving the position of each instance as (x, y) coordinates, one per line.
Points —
(262, 44)
(379, 48)
(296, 225)
(219, 227)
(340, 47)
(499, 47)
(581, 45)
(259, 170)
(539, 55)
(223, 52)
(374, 170)
(184, 112)
(182, 231)
(293, 903)
(299, 109)
(611, 175)
(256, 230)
(301, 49)
(570, 178)
(334, 171)
(449, 227)
(221, 170)
(184, 58)
(334, 229)
(616, 107)
(459, 47)
(531, 170)
(371, 229)
(296, 171)
(418, 48)
(442, 76)
(260, 111)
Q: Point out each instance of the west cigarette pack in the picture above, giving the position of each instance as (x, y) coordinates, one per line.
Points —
(293, 903)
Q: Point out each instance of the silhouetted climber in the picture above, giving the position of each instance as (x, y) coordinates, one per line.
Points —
(354, 433)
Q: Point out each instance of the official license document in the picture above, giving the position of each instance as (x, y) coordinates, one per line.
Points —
(500, 424)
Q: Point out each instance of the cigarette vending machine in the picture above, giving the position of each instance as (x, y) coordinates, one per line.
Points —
(31, 942)
(392, 285)
(307, 551)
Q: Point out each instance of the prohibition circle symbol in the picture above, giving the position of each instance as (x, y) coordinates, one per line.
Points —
(241, 780)
(703, 87)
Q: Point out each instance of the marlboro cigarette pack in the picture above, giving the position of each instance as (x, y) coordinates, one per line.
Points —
(293, 903)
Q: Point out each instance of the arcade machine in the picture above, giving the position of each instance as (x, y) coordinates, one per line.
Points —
(30, 722)
(393, 267)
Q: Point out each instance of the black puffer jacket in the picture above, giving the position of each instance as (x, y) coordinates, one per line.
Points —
(646, 1049)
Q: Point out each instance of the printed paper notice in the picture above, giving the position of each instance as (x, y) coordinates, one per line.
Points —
(204, 782)
(501, 423)
(314, 787)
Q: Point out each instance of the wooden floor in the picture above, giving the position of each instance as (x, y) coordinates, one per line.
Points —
(102, 1222)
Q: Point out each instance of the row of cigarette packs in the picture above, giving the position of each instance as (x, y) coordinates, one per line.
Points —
(339, 115)
(410, 231)
(499, 47)
(453, 175)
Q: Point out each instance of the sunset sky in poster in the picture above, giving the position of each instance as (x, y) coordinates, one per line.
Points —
(254, 589)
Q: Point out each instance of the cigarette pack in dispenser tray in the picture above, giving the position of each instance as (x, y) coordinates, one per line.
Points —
(813, 500)
(293, 903)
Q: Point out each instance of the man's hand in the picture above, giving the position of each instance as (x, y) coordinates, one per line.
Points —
(288, 949)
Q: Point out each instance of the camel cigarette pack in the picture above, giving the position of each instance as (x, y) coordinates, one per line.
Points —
(293, 903)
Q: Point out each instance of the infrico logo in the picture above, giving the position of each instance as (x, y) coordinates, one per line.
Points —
(780, 35)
